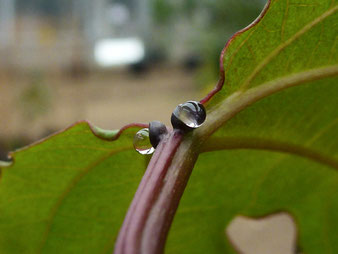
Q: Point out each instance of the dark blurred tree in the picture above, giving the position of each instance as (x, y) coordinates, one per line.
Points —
(52, 8)
(220, 19)
(162, 11)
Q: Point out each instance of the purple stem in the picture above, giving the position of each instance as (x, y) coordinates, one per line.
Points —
(151, 212)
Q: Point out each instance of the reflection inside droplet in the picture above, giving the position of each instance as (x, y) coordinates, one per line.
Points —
(191, 114)
(142, 142)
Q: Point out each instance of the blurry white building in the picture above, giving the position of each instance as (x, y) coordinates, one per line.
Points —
(55, 36)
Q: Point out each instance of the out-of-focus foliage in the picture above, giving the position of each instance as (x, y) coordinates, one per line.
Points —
(212, 23)
(35, 98)
(42, 7)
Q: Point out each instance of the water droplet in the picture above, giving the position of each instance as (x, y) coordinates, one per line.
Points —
(157, 131)
(142, 142)
(189, 115)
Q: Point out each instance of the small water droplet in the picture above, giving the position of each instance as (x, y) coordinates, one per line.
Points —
(142, 142)
(189, 115)
(157, 131)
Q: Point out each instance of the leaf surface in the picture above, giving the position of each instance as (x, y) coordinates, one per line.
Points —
(274, 133)
(276, 165)
(68, 193)
(270, 145)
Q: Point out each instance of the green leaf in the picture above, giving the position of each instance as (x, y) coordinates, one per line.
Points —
(272, 129)
(292, 37)
(275, 149)
(68, 193)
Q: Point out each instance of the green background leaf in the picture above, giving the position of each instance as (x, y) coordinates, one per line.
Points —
(70, 192)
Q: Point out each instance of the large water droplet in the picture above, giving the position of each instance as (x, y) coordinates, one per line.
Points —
(189, 115)
(142, 142)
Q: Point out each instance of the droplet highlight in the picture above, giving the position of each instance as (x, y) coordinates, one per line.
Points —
(189, 115)
(142, 142)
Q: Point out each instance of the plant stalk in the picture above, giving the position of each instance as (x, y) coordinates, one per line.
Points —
(146, 225)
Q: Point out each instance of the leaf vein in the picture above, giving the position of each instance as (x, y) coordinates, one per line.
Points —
(282, 46)
(227, 143)
(68, 189)
(284, 20)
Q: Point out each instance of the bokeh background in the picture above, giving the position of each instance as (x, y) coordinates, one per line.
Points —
(114, 62)
(111, 62)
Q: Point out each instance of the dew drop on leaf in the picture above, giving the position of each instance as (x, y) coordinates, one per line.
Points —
(157, 131)
(189, 115)
(142, 142)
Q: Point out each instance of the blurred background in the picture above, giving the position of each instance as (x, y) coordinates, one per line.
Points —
(111, 62)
